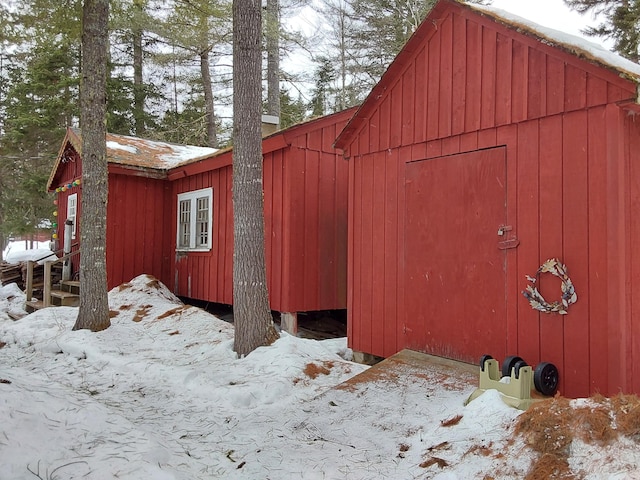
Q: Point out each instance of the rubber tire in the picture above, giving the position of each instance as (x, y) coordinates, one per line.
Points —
(519, 364)
(483, 359)
(545, 378)
(508, 365)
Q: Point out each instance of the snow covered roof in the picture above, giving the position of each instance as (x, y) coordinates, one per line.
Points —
(139, 152)
(136, 153)
(576, 45)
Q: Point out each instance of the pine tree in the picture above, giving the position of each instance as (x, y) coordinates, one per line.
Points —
(93, 313)
(252, 316)
(621, 23)
(40, 82)
(199, 31)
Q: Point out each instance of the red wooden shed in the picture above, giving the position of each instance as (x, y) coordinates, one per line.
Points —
(305, 195)
(489, 146)
(139, 201)
(170, 215)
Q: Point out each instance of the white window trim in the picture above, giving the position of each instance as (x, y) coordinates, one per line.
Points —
(193, 196)
(72, 212)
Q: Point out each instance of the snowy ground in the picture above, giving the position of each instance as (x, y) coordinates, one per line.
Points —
(161, 395)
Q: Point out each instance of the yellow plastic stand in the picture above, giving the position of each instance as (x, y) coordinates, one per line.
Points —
(515, 392)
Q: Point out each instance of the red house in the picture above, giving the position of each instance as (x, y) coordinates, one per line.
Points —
(138, 238)
(172, 217)
(489, 146)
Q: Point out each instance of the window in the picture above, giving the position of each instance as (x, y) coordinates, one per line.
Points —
(195, 219)
(72, 209)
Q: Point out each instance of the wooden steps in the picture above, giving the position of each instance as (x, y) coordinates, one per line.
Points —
(33, 305)
(66, 295)
(60, 298)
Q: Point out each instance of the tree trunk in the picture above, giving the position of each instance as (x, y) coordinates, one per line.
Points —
(93, 313)
(138, 87)
(273, 58)
(212, 138)
(252, 317)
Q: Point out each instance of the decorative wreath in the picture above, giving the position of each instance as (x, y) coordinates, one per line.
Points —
(537, 301)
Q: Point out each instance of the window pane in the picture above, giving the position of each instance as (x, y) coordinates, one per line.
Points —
(202, 221)
(184, 224)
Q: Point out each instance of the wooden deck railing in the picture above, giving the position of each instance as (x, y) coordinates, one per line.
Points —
(48, 264)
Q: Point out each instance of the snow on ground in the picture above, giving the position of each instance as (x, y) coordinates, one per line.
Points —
(19, 251)
(161, 395)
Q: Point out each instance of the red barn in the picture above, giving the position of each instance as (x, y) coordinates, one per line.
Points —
(170, 215)
(489, 146)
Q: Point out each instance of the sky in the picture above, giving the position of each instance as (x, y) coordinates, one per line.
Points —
(549, 13)
(160, 395)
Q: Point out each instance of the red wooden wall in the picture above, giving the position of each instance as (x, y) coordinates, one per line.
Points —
(305, 195)
(205, 275)
(137, 221)
(138, 232)
(69, 170)
(463, 83)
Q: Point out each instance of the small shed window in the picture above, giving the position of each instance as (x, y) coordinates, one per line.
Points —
(72, 212)
(195, 220)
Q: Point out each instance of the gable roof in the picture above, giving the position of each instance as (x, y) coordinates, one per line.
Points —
(571, 44)
(135, 153)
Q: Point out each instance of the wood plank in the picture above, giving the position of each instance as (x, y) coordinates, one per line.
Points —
(385, 123)
(327, 277)
(488, 108)
(374, 132)
(420, 102)
(519, 77)
(310, 215)
(537, 89)
(433, 88)
(616, 249)
(446, 73)
(551, 232)
(392, 231)
(395, 127)
(399, 306)
(504, 87)
(352, 312)
(575, 91)
(508, 135)
(597, 288)
(459, 53)
(555, 85)
(379, 252)
(596, 91)
(474, 76)
(268, 167)
(407, 105)
(633, 132)
(528, 251)
(576, 252)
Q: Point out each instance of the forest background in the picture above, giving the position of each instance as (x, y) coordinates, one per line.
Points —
(170, 73)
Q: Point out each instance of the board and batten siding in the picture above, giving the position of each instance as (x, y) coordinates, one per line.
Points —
(472, 83)
(206, 275)
(305, 204)
(137, 225)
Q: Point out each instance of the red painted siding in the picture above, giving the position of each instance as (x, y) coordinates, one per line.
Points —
(137, 221)
(571, 192)
(205, 275)
(305, 195)
(69, 170)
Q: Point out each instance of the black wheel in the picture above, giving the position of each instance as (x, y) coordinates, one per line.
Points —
(508, 365)
(519, 364)
(545, 378)
(483, 359)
